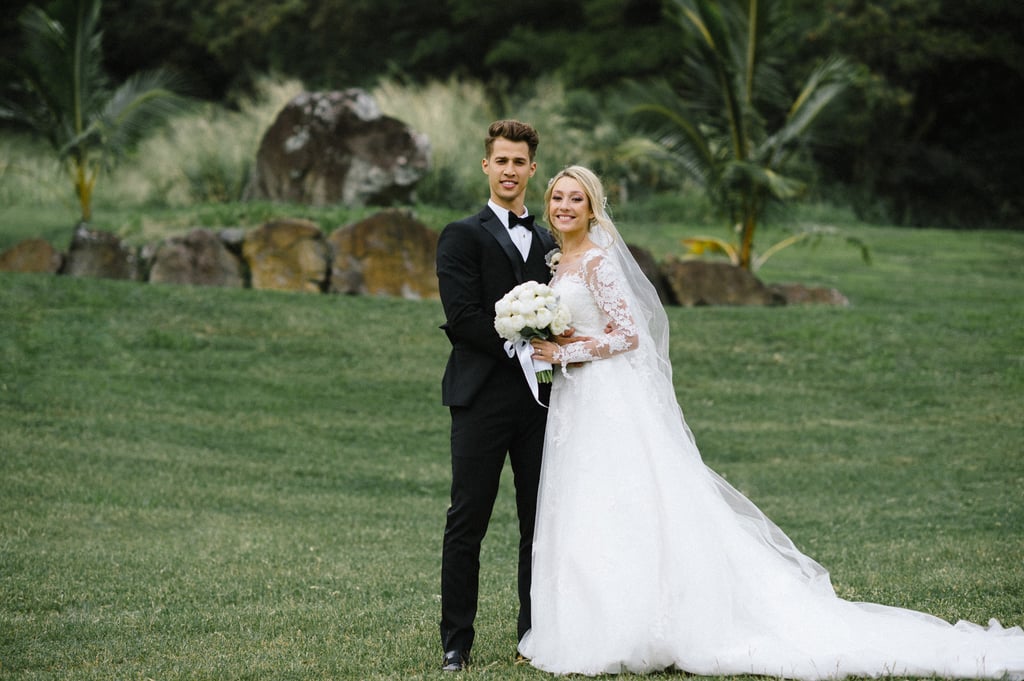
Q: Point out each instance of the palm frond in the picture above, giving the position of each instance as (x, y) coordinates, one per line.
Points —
(825, 84)
(702, 245)
(813, 235)
(780, 186)
(61, 69)
(141, 103)
(667, 121)
(752, 177)
(719, 64)
(634, 149)
(87, 79)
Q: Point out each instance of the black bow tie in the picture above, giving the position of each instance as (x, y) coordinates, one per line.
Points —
(525, 221)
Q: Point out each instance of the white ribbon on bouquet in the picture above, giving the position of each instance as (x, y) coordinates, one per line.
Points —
(529, 365)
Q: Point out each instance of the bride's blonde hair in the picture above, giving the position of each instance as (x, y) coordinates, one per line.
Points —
(594, 191)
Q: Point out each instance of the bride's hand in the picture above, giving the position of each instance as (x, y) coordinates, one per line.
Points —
(544, 350)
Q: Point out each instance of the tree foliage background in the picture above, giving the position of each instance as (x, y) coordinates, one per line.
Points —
(931, 136)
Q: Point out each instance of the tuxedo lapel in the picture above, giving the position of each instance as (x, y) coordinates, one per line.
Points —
(536, 265)
(493, 225)
(543, 240)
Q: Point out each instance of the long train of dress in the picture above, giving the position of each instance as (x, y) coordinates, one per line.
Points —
(645, 558)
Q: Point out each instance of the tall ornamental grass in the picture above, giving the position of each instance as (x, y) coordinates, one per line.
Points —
(205, 156)
(30, 175)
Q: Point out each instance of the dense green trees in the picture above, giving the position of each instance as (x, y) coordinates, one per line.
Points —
(341, 43)
(935, 136)
(931, 136)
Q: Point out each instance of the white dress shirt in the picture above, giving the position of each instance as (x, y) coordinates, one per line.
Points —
(521, 236)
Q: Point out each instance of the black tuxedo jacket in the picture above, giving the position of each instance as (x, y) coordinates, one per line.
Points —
(477, 264)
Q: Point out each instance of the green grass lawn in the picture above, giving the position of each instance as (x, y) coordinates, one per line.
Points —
(221, 484)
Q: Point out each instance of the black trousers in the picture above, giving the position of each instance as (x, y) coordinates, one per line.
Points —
(504, 419)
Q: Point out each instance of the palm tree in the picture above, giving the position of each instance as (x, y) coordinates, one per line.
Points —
(64, 95)
(716, 126)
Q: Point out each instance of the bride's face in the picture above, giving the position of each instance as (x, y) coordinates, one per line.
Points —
(569, 208)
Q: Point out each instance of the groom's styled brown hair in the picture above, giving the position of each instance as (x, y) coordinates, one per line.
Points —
(514, 131)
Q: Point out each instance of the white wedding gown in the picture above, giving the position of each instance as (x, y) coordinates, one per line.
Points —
(645, 559)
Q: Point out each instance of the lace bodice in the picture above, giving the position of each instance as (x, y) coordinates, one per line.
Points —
(593, 292)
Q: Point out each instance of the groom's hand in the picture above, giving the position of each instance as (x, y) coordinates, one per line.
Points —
(569, 336)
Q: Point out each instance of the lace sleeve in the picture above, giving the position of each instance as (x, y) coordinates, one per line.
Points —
(604, 281)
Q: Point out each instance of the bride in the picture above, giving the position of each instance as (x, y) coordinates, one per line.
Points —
(646, 559)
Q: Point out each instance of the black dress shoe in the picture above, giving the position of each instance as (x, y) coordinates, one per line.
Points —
(455, 661)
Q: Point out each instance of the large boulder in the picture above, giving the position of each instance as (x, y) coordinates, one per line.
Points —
(31, 255)
(336, 147)
(389, 253)
(95, 253)
(199, 258)
(697, 282)
(287, 255)
(649, 266)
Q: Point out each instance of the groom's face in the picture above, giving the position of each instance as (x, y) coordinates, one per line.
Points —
(509, 170)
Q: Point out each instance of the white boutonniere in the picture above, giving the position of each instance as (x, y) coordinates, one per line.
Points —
(552, 258)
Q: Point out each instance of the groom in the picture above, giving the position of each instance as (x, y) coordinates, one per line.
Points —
(493, 411)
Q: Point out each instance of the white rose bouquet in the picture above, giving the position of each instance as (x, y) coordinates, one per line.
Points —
(530, 310)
